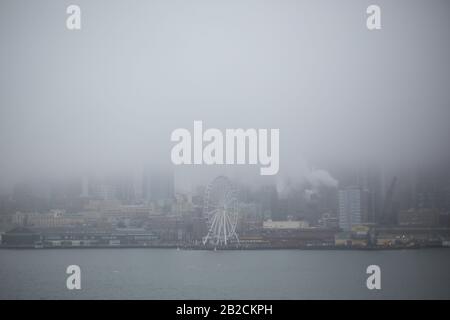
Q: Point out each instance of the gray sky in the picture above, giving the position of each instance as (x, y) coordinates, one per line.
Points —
(108, 96)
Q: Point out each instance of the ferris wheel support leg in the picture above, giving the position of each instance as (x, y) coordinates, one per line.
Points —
(205, 240)
(224, 228)
(216, 230)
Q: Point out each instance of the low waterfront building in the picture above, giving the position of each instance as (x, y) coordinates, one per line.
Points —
(426, 236)
(419, 217)
(286, 225)
(253, 240)
(20, 236)
(75, 237)
(387, 241)
(348, 239)
(52, 219)
(284, 237)
(329, 221)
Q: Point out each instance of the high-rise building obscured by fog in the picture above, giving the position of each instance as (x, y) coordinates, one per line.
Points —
(268, 197)
(370, 180)
(158, 185)
(350, 209)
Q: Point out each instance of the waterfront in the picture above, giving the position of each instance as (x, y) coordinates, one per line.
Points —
(195, 274)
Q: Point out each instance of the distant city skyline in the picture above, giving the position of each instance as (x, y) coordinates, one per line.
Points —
(107, 97)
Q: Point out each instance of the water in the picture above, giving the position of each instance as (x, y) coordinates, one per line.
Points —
(265, 274)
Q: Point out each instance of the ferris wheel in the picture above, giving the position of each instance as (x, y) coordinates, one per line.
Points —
(221, 210)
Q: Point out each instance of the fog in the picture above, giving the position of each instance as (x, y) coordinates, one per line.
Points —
(106, 98)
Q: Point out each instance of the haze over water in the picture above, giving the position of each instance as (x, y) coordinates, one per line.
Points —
(265, 274)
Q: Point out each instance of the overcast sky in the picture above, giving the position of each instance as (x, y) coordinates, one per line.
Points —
(108, 96)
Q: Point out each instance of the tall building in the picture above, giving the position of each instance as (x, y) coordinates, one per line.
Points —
(84, 187)
(104, 191)
(370, 180)
(158, 185)
(350, 209)
(270, 203)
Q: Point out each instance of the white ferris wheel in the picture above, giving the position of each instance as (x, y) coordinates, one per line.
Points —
(221, 211)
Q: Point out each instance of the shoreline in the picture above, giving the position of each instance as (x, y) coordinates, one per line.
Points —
(203, 248)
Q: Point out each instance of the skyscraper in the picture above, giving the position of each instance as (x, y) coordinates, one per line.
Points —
(158, 184)
(349, 207)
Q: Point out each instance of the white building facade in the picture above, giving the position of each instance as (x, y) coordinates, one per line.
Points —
(350, 209)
